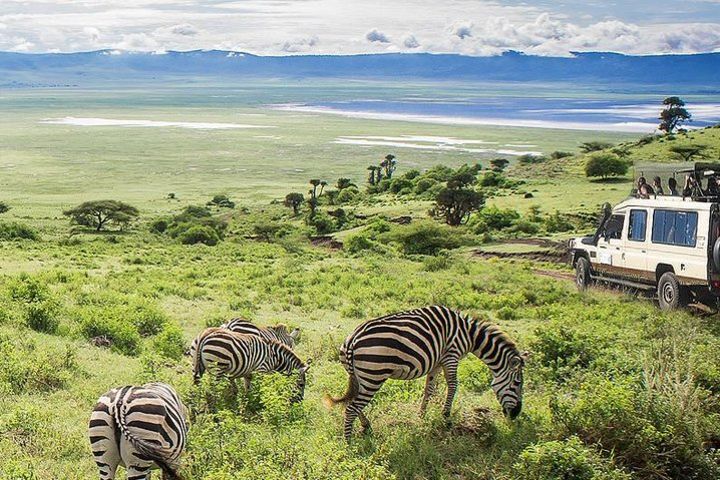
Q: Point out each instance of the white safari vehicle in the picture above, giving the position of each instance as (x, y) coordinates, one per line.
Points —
(667, 243)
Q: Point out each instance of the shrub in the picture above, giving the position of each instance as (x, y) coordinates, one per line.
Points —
(27, 368)
(321, 222)
(42, 316)
(170, 343)
(497, 219)
(426, 238)
(562, 348)
(160, 225)
(17, 231)
(4, 208)
(529, 159)
(123, 336)
(222, 201)
(357, 243)
(147, 318)
(557, 222)
(267, 230)
(566, 459)
(348, 195)
(199, 234)
(594, 146)
(399, 184)
(557, 155)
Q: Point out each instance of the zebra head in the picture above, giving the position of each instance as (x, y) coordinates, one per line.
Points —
(301, 382)
(508, 384)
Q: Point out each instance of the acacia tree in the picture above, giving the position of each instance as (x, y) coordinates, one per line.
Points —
(673, 115)
(605, 165)
(294, 200)
(458, 200)
(499, 164)
(343, 183)
(688, 152)
(97, 214)
(314, 194)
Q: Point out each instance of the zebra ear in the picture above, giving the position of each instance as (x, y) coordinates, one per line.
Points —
(525, 355)
(295, 334)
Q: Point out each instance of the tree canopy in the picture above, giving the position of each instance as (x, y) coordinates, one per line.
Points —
(294, 200)
(688, 152)
(99, 213)
(605, 165)
(458, 200)
(673, 115)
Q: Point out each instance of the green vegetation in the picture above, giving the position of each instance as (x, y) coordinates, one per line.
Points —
(97, 214)
(615, 389)
(604, 164)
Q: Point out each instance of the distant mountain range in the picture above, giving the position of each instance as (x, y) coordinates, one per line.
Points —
(58, 69)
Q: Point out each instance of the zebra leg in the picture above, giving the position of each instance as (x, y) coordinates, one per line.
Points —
(365, 423)
(429, 390)
(450, 369)
(247, 379)
(355, 407)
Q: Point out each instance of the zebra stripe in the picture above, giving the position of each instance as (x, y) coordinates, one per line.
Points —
(240, 355)
(423, 342)
(278, 332)
(141, 428)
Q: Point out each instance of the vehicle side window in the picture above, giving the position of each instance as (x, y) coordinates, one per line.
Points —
(614, 227)
(671, 227)
(638, 225)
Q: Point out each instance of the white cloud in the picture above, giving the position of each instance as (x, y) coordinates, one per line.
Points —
(300, 45)
(376, 36)
(471, 27)
(409, 41)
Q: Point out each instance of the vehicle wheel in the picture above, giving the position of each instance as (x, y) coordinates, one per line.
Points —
(671, 295)
(582, 273)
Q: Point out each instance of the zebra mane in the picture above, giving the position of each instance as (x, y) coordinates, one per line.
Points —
(488, 328)
(284, 349)
(280, 328)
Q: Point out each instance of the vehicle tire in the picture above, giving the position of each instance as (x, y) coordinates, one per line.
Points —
(671, 295)
(582, 273)
(716, 255)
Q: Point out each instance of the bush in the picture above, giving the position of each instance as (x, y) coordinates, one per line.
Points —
(557, 155)
(529, 159)
(321, 222)
(17, 231)
(42, 316)
(123, 336)
(160, 225)
(426, 238)
(424, 184)
(557, 222)
(147, 318)
(399, 184)
(357, 243)
(199, 234)
(170, 342)
(27, 368)
(497, 219)
(565, 460)
(348, 195)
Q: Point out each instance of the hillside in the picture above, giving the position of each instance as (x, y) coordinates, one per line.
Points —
(700, 72)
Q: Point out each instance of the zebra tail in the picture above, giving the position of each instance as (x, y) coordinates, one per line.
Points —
(353, 385)
(351, 393)
(198, 368)
(150, 450)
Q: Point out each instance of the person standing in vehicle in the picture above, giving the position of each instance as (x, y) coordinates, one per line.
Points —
(657, 186)
(672, 187)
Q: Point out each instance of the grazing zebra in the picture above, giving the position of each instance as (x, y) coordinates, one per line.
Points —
(420, 342)
(277, 332)
(239, 355)
(139, 428)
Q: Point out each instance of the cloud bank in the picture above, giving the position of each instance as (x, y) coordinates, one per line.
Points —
(470, 27)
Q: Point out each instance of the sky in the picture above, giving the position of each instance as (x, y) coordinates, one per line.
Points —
(291, 27)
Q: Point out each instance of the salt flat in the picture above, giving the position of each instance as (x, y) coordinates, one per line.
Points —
(112, 122)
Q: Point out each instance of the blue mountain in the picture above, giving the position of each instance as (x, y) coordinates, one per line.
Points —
(698, 70)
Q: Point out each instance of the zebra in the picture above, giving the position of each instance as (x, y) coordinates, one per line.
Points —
(425, 341)
(140, 428)
(239, 355)
(240, 325)
(278, 332)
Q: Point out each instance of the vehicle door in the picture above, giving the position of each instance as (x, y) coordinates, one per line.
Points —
(635, 244)
(610, 244)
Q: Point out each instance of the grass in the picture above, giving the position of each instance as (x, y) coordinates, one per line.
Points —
(615, 388)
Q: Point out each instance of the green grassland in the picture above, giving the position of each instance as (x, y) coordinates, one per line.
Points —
(615, 389)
